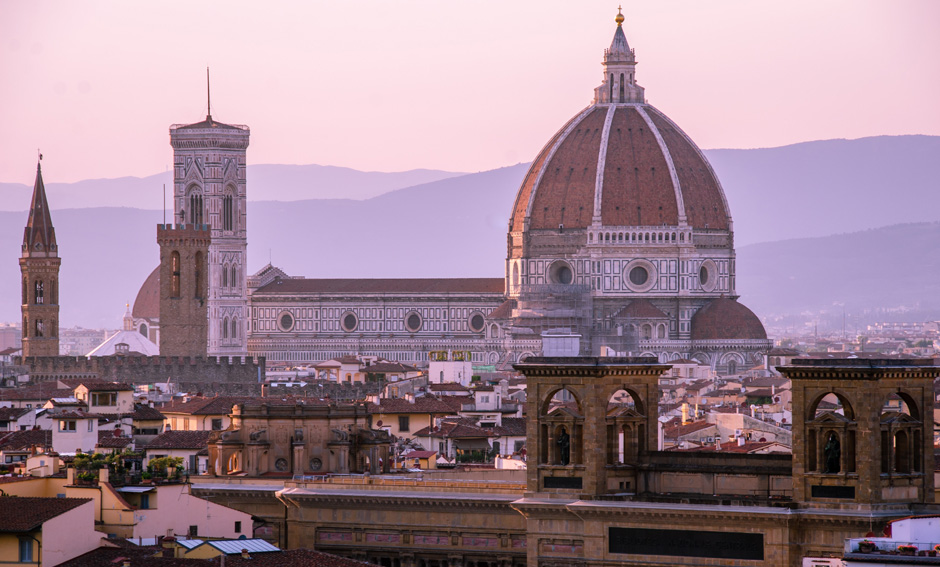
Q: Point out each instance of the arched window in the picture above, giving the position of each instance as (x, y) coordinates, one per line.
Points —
(225, 275)
(227, 212)
(38, 292)
(661, 331)
(611, 88)
(234, 328)
(54, 292)
(621, 88)
(199, 275)
(234, 278)
(626, 429)
(40, 328)
(647, 331)
(195, 208)
(143, 330)
(25, 328)
(25, 292)
(175, 274)
(225, 328)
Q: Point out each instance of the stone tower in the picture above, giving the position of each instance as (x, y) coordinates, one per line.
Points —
(871, 443)
(39, 265)
(209, 189)
(184, 250)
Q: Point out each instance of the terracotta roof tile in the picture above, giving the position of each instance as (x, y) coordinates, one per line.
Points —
(504, 311)
(20, 440)
(24, 514)
(425, 404)
(180, 440)
(381, 286)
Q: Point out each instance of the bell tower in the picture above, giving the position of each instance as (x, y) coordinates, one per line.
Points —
(39, 268)
(209, 188)
(865, 436)
(183, 289)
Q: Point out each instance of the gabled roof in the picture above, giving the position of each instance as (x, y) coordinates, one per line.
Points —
(425, 404)
(39, 392)
(641, 309)
(380, 367)
(9, 414)
(221, 405)
(504, 311)
(104, 386)
(108, 440)
(512, 427)
(675, 430)
(25, 514)
(180, 440)
(393, 286)
(20, 440)
(456, 429)
(419, 455)
(144, 413)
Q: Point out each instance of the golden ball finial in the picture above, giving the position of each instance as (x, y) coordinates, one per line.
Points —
(619, 18)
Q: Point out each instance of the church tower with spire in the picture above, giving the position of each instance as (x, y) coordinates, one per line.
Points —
(39, 268)
(209, 189)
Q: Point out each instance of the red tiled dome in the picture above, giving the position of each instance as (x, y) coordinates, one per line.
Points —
(652, 175)
(726, 319)
(147, 304)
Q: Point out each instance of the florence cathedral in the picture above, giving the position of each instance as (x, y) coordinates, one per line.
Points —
(620, 241)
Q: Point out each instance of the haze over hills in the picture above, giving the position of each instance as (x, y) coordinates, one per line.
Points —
(265, 182)
(456, 227)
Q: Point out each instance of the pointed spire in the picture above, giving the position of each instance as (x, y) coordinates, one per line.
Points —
(619, 45)
(39, 236)
(208, 98)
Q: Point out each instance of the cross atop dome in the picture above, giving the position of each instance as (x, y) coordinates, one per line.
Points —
(619, 84)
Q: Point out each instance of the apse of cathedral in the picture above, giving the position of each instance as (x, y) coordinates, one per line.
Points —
(620, 242)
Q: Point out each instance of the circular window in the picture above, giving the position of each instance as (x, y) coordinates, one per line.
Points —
(316, 464)
(285, 321)
(639, 275)
(560, 273)
(413, 322)
(708, 275)
(281, 464)
(477, 322)
(350, 322)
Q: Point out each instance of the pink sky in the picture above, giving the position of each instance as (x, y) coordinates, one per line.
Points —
(394, 85)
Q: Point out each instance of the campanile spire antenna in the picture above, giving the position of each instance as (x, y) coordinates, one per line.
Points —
(208, 97)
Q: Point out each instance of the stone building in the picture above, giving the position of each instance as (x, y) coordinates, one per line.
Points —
(597, 492)
(209, 189)
(620, 239)
(297, 437)
(39, 266)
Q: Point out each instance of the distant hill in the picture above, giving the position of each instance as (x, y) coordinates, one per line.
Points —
(881, 268)
(265, 182)
(829, 187)
(456, 227)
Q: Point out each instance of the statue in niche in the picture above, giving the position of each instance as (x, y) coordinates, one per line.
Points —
(833, 454)
(564, 447)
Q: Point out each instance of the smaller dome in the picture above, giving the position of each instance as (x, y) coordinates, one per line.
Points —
(726, 319)
(147, 304)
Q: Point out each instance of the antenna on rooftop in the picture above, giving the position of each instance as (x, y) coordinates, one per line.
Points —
(208, 97)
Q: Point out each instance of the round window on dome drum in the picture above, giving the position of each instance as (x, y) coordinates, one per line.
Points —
(561, 273)
(477, 322)
(639, 275)
(350, 322)
(413, 322)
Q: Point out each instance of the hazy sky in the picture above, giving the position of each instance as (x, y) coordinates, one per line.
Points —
(393, 85)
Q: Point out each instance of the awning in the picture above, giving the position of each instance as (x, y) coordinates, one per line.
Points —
(472, 444)
(134, 489)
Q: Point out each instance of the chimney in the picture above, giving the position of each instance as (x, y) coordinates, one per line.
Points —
(127, 563)
(741, 441)
(685, 413)
(245, 554)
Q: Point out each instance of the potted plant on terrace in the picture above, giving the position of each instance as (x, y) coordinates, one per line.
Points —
(866, 546)
(907, 549)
